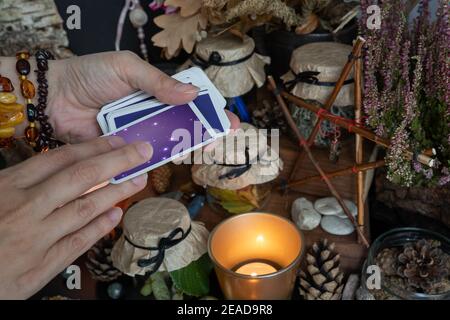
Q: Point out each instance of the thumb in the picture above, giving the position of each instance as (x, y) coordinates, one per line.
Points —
(139, 74)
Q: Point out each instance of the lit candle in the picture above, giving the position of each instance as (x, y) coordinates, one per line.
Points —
(256, 256)
(255, 269)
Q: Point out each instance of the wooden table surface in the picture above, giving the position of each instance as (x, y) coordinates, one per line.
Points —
(352, 253)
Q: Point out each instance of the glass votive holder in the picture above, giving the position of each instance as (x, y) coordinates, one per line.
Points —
(256, 256)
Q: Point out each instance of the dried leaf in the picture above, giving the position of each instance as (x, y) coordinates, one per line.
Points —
(234, 201)
(247, 194)
(238, 33)
(215, 16)
(311, 23)
(246, 23)
(178, 32)
(187, 7)
(159, 286)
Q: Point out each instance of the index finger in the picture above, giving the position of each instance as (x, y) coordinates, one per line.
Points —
(75, 180)
(139, 74)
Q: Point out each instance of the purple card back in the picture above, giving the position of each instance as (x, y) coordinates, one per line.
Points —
(159, 131)
(203, 103)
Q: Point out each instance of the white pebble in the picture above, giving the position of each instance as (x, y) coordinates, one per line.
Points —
(337, 226)
(331, 207)
(304, 214)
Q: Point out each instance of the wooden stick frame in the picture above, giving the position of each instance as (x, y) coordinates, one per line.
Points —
(363, 167)
(361, 133)
(304, 144)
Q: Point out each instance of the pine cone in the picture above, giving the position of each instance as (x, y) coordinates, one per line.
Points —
(269, 117)
(387, 261)
(99, 261)
(423, 264)
(160, 178)
(323, 279)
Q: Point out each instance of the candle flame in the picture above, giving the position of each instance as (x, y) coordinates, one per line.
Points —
(254, 269)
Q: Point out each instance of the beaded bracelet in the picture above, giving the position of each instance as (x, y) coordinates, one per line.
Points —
(28, 92)
(45, 137)
(11, 113)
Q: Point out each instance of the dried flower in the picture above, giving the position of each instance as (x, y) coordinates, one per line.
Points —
(407, 88)
(276, 8)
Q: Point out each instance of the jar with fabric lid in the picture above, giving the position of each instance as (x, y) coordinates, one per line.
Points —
(158, 235)
(314, 71)
(233, 66)
(239, 171)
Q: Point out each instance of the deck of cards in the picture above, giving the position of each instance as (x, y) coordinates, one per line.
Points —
(173, 131)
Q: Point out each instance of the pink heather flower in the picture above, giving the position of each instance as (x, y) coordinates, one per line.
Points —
(428, 174)
(417, 166)
(159, 4)
(156, 5)
(444, 180)
(405, 71)
(445, 171)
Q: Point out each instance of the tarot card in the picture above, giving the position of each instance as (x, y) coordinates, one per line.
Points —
(173, 132)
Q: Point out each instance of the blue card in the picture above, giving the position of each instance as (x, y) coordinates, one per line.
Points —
(123, 120)
(203, 103)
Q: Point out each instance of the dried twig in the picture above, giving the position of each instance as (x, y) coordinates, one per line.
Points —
(303, 143)
(338, 173)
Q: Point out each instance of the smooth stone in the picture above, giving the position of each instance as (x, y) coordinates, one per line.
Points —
(363, 294)
(304, 215)
(350, 288)
(331, 207)
(308, 219)
(337, 226)
(298, 205)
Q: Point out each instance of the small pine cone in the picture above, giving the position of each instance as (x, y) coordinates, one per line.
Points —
(160, 178)
(423, 264)
(99, 261)
(269, 117)
(387, 261)
(322, 278)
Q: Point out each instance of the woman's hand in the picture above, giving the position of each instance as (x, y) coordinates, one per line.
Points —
(47, 220)
(80, 86)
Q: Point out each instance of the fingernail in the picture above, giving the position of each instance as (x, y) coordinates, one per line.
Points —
(140, 180)
(186, 88)
(116, 142)
(115, 214)
(144, 149)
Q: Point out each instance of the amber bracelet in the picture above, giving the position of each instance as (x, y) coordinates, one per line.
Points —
(28, 92)
(11, 113)
(45, 137)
